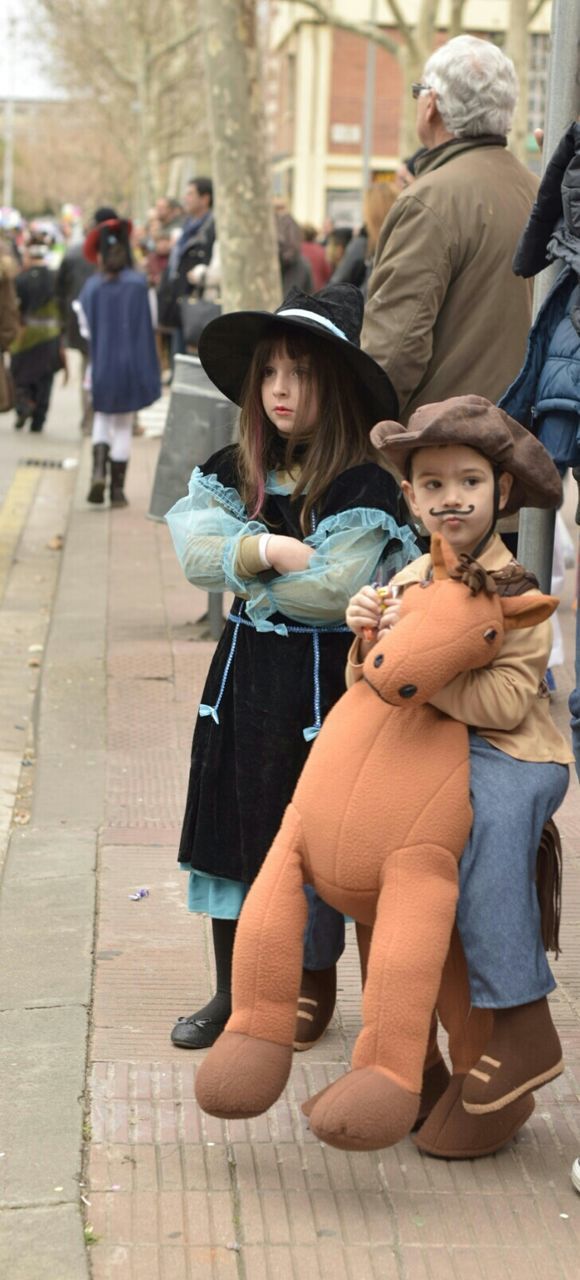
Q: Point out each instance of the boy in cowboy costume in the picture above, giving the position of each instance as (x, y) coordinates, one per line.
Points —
(462, 463)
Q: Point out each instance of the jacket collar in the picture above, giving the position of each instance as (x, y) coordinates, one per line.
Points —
(446, 151)
(496, 556)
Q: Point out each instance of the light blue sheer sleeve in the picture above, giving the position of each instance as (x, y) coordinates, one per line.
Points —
(207, 525)
(347, 550)
(206, 528)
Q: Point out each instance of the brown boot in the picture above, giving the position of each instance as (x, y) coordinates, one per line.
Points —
(523, 1054)
(452, 1134)
(315, 1006)
(435, 1082)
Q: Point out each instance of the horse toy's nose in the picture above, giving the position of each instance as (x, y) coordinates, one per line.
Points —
(408, 691)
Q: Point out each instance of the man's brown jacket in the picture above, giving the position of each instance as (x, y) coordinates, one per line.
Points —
(445, 314)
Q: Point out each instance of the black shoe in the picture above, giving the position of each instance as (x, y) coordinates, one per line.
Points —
(20, 422)
(196, 1033)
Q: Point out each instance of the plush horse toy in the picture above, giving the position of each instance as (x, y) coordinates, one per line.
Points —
(377, 825)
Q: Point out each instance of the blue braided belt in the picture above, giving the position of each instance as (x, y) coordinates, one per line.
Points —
(315, 632)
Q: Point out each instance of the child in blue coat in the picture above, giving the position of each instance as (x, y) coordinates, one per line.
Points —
(114, 311)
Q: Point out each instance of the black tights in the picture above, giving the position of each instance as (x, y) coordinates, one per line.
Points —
(219, 1008)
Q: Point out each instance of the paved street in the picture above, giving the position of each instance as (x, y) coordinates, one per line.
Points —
(107, 1169)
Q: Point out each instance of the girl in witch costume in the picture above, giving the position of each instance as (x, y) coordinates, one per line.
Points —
(113, 312)
(292, 519)
(463, 463)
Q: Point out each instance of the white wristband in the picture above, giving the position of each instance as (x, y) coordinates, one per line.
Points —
(263, 550)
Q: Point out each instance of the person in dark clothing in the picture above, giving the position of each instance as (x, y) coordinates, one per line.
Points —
(194, 246)
(288, 519)
(71, 275)
(545, 396)
(36, 354)
(349, 254)
(295, 269)
(9, 319)
(313, 251)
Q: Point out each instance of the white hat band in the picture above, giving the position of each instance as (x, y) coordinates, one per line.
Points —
(311, 315)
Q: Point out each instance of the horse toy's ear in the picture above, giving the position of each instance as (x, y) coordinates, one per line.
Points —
(443, 557)
(527, 610)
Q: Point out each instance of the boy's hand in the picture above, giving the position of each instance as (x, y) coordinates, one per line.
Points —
(364, 611)
(390, 616)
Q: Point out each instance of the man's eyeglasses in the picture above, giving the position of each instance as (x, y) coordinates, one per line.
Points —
(417, 89)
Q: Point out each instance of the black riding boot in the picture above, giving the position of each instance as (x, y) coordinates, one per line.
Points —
(99, 477)
(118, 473)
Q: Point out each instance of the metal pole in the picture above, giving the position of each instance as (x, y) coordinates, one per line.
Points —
(536, 537)
(369, 114)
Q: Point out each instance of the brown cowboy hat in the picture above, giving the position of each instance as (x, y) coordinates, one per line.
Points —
(474, 421)
(121, 228)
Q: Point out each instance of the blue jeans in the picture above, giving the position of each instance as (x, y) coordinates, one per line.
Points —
(324, 933)
(498, 914)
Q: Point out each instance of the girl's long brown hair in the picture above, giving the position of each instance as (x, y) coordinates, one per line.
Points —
(339, 440)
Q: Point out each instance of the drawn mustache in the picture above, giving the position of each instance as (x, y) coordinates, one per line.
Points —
(452, 511)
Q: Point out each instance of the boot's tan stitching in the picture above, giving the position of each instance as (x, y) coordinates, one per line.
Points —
(492, 1062)
(480, 1075)
(309, 1016)
(482, 1108)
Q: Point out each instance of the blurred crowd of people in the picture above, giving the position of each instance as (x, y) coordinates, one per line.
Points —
(43, 268)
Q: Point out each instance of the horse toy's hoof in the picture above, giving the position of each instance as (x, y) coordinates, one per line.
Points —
(364, 1111)
(241, 1076)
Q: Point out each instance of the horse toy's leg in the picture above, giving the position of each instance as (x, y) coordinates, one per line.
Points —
(248, 1066)
(378, 1102)
(449, 1131)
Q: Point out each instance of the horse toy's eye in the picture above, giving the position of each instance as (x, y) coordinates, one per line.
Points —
(378, 662)
(490, 634)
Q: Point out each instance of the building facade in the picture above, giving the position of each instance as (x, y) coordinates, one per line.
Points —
(334, 103)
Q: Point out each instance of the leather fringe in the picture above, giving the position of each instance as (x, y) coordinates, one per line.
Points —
(549, 886)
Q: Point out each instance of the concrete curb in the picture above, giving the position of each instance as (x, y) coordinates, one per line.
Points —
(47, 910)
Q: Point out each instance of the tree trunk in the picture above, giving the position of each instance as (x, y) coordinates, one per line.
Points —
(411, 69)
(241, 170)
(413, 57)
(518, 49)
(142, 108)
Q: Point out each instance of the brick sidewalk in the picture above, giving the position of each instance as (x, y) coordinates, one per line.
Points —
(175, 1195)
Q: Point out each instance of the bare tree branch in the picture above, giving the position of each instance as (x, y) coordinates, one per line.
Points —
(366, 30)
(535, 9)
(403, 26)
(172, 45)
(456, 17)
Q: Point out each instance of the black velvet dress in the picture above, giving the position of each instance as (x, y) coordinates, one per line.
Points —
(244, 768)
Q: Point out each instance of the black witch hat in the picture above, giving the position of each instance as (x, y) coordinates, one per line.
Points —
(333, 315)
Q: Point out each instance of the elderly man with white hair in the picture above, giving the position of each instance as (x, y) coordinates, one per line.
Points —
(445, 315)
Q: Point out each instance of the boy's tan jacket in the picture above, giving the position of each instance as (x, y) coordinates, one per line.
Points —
(507, 702)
